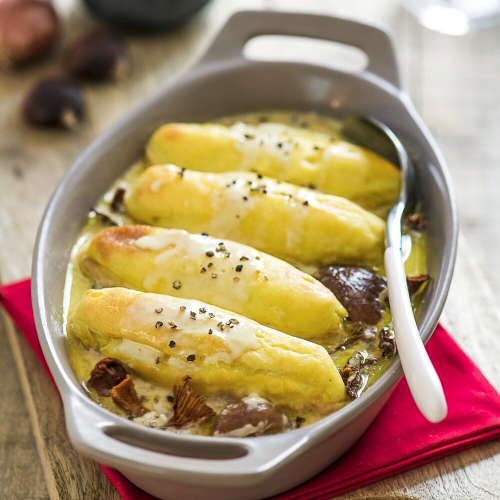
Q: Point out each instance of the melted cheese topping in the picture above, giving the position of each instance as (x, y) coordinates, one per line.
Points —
(194, 247)
(253, 400)
(183, 326)
(265, 140)
(143, 353)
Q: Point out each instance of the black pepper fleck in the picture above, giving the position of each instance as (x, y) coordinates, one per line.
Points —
(209, 253)
(170, 399)
(210, 264)
(192, 314)
(243, 258)
(210, 331)
(191, 357)
(203, 310)
(203, 270)
(182, 308)
(171, 344)
(177, 285)
(158, 324)
(245, 198)
(238, 268)
(159, 310)
(157, 360)
(204, 234)
(306, 203)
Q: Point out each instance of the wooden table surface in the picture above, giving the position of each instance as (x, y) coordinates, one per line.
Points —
(454, 83)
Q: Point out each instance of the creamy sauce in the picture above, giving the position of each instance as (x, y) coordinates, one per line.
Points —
(241, 337)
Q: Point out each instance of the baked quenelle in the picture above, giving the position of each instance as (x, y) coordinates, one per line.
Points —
(164, 338)
(231, 283)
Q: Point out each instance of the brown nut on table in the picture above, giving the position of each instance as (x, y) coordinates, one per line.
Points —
(28, 30)
(54, 103)
(97, 55)
(248, 418)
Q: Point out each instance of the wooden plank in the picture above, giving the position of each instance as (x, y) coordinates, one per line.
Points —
(18, 453)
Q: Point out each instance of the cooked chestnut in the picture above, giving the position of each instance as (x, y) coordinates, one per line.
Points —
(250, 417)
(54, 103)
(97, 55)
(358, 290)
(28, 30)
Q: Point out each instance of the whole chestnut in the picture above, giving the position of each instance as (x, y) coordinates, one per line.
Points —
(54, 103)
(28, 30)
(97, 55)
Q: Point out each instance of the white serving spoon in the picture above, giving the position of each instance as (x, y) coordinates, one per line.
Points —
(421, 376)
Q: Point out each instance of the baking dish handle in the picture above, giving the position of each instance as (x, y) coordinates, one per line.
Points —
(247, 461)
(375, 40)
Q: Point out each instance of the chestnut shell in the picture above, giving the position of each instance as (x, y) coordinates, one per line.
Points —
(28, 30)
(97, 55)
(54, 103)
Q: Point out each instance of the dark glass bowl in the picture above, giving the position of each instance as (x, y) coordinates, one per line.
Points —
(145, 14)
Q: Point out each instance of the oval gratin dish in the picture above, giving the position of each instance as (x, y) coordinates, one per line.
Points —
(224, 82)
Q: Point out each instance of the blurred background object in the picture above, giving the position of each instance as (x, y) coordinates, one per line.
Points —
(54, 103)
(97, 55)
(145, 14)
(455, 17)
(29, 29)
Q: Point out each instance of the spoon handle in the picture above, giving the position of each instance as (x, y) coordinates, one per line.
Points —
(421, 376)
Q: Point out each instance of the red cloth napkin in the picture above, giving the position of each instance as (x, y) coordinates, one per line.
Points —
(398, 440)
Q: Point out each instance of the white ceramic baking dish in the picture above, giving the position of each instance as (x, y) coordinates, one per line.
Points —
(174, 466)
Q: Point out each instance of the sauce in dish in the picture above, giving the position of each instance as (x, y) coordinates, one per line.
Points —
(231, 283)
